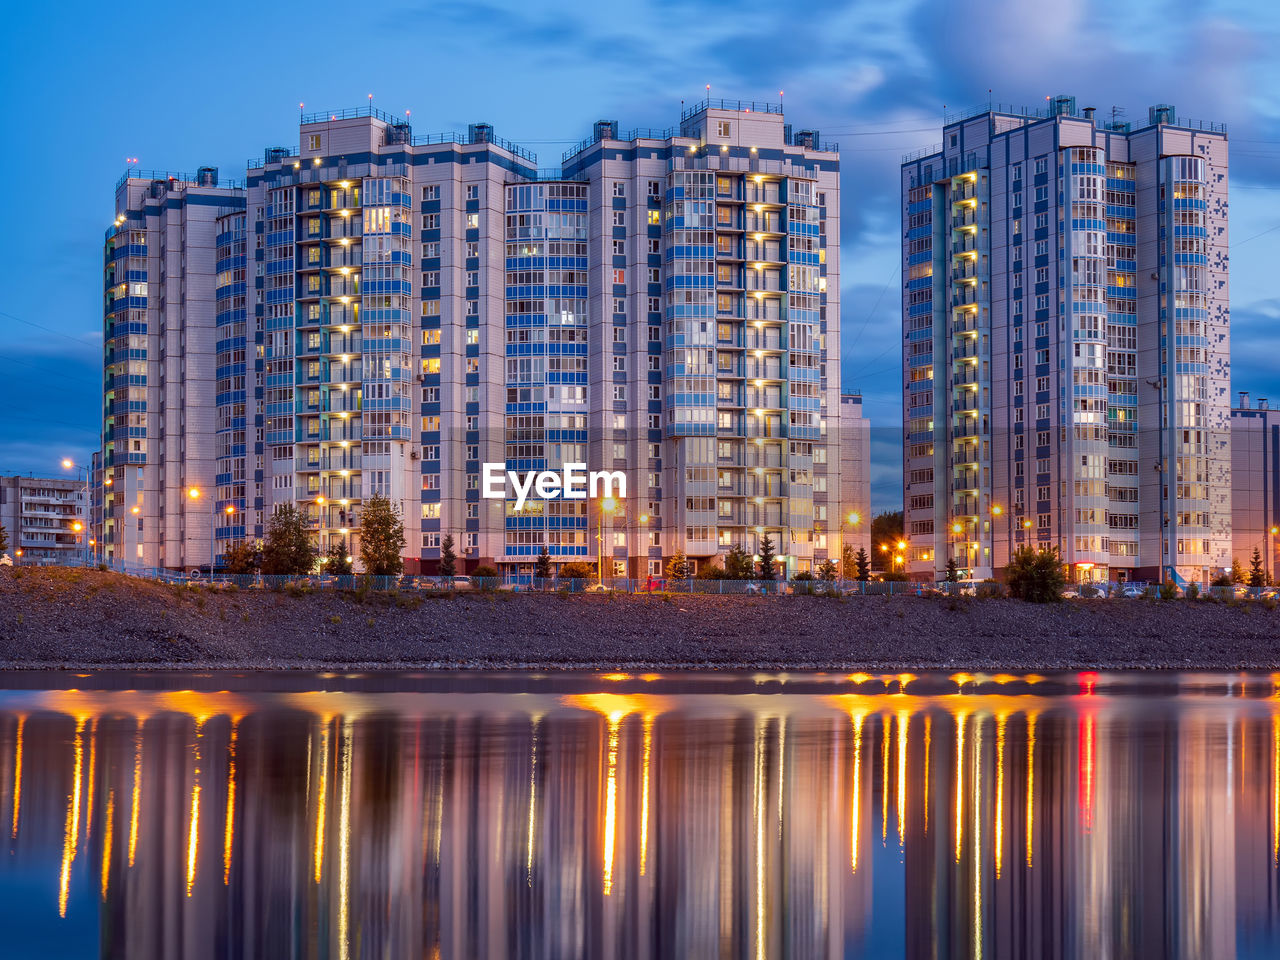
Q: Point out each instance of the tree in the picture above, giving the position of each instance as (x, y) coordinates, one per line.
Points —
(287, 549)
(382, 540)
(577, 570)
(542, 569)
(678, 567)
(886, 528)
(1036, 575)
(448, 559)
(1237, 571)
(827, 570)
(737, 564)
(338, 562)
(848, 561)
(953, 570)
(768, 564)
(241, 558)
(1257, 576)
(4, 539)
(862, 565)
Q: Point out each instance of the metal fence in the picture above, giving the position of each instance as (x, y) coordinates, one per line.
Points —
(524, 583)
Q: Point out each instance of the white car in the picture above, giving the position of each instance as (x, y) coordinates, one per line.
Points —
(1131, 591)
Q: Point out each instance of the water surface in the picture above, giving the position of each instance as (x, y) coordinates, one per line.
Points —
(639, 816)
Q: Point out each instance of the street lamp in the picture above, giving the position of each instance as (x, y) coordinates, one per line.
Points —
(229, 509)
(607, 505)
(83, 477)
(852, 519)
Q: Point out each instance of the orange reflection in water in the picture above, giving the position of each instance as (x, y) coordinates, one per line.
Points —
(690, 821)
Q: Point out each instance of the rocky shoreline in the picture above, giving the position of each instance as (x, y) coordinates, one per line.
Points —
(83, 619)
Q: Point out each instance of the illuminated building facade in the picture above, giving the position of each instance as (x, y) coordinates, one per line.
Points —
(374, 312)
(1065, 345)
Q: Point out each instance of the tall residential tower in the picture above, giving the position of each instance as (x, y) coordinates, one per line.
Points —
(1065, 344)
(374, 312)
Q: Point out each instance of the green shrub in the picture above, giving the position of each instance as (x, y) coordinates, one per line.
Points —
(335, 619)
(1192, 591)
(577, 570)
(485, 571)
(1036, 576)
(1168, 590)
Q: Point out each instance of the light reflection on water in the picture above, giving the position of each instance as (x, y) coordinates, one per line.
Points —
(495, 816)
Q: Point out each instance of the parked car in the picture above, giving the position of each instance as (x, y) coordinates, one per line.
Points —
(1132, 591)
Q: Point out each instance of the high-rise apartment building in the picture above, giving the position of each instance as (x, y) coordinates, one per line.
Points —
(1065, 344)
(1255, 498)
(161, 344)
(376, 312)
(855, 477)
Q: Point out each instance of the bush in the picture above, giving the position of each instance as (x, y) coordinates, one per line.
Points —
(802, 577)
(485, 571)
(577, 570)
(1193, 591)
(1168, 590)
(713, 571)
(989, 590)
(1036, 576)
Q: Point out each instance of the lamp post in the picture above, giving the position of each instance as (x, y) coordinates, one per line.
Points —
(607, 505)
(78, 526)
(193, 494)
(851, 519)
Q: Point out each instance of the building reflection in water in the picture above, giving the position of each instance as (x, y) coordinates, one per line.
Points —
(617, 816)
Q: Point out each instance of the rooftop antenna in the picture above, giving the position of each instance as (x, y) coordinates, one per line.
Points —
(988, 99)
(300, 106)
(371, 104)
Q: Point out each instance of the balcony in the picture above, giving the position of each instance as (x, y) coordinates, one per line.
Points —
(766, 193)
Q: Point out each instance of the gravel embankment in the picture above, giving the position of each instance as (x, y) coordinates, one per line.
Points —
(86, 619)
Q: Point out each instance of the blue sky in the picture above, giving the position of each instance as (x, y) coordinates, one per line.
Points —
(182, 85)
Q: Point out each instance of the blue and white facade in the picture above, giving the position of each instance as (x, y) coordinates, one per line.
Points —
(168, 324)
(384, 312)
(1066, 345)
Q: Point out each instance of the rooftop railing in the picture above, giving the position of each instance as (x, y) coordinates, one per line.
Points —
(453, 136)
(186, 179)
(352, 113)
(749, 106)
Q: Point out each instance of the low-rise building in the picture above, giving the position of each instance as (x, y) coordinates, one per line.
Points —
(44, 518)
